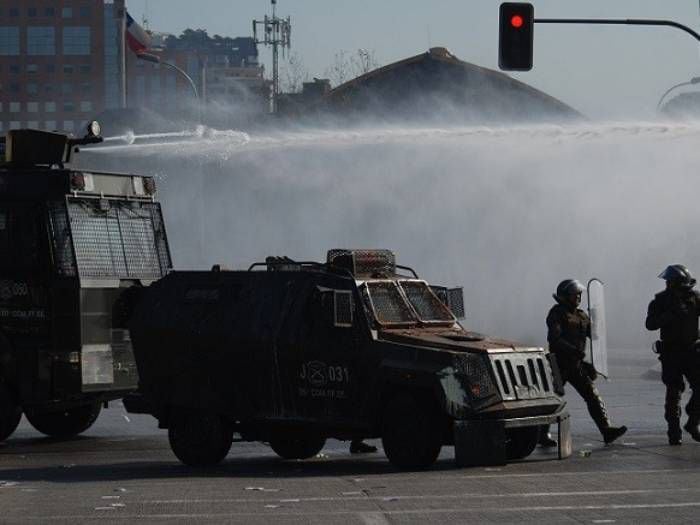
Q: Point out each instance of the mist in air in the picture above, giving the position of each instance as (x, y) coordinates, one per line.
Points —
(505, 212)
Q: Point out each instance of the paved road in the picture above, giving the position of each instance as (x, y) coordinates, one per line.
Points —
(123, 470)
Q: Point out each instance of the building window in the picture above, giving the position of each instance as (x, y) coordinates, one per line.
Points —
(14, 68)
(33, 107)
(14, 88)
(32, 68)
(32, 88)
(48, 88)
(68, 68)
(50, 12)
(86, 87)
(66, 88)
(68, 125)
(76, 40)
(50, 107)
(68, 107)
(15, 124)
(9, 40)
(31, 11)
(50, 125)
(84, 12)
(67, 12)
(85, 106)
(41, 41)
(14, 11)
(33, 124)
(15, 107)
(86, 68)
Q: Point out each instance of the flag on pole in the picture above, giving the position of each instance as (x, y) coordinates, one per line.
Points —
(136, 37)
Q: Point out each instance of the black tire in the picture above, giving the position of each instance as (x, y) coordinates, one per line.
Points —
(298, 448)
(411, 432)
(64, 423)
(10, 414)
(520, 442)
(198, 438)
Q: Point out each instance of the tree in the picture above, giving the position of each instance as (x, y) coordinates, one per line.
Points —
(294, 74)
(348, 65)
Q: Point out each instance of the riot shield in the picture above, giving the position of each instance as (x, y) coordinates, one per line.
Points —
(596, 311)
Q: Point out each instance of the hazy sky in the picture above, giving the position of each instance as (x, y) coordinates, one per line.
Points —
(604, 71)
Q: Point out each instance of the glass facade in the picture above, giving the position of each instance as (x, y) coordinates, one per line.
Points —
(41, 40)
(9, 40)
(111, 58)
(76, 40)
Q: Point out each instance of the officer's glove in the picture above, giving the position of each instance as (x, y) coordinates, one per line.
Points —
(589, 371)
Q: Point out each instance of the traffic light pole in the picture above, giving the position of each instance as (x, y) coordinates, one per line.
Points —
(620, 21)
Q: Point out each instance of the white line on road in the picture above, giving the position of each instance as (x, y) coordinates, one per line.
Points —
(472, 495)
(316, 512)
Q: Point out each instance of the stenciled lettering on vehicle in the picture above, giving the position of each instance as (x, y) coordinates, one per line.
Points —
(322, 380)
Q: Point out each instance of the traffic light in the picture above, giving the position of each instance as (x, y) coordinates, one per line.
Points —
(515, 36)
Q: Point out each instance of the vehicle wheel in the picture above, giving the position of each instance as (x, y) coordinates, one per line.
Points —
(199, 439)
(411, 432)
(298, 448)
(64, 423)
(520, 442)
(10, 414)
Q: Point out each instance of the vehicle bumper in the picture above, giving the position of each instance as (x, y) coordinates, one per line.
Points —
(483, 442)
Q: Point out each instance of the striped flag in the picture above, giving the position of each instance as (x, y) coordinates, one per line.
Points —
(136, 37)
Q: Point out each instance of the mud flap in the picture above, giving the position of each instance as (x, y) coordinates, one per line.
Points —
(480, 443)
(564, 443)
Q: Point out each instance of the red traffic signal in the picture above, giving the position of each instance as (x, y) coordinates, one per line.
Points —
(515, 37)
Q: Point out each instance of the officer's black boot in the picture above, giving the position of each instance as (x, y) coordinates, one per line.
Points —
(596, 407)
(672, 414)
(692, 426)
(545, 439)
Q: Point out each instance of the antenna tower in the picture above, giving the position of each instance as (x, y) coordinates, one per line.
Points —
(277, 33)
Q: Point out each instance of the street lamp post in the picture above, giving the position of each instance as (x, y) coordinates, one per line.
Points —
(148, 57)
(692, 81)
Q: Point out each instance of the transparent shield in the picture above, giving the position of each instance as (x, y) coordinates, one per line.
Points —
(596, 310)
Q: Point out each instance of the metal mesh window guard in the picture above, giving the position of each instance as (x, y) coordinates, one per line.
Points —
(425, 302)
(389, 306)
(118, 239)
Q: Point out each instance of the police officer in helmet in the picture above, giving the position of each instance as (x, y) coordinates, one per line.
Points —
(675, 312)
(567, 329)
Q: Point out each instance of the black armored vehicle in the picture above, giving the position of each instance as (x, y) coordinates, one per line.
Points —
(292, 353)
(72, 242)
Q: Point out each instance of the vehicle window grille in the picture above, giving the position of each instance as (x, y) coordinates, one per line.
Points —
(425, 303)
(61, 239)
(120, 239)
(476, 369)
(343, 308)
(389, 306)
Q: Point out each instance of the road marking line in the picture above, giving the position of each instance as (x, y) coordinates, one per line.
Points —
(316, 512)
(473, 495)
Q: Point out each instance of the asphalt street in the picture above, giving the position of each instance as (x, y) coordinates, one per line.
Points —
(122, 470)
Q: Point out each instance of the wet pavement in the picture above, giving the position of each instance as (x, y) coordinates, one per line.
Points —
(122, 470)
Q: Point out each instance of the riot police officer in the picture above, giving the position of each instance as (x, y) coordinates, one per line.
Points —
(567, 329)
(675, 312)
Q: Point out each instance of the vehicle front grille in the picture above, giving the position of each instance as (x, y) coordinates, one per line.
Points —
(522, 375)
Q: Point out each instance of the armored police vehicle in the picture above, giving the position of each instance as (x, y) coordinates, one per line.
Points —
(71, 243)
(292, 353)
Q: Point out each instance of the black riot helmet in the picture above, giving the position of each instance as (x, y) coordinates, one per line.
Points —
(679, 275)
(567, 288)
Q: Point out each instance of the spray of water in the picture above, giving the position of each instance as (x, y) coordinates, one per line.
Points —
(506, 212)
